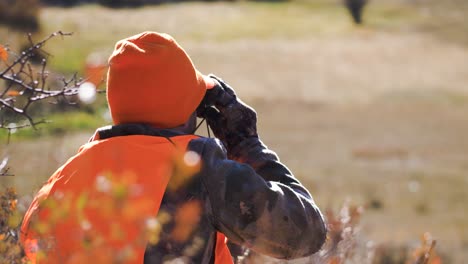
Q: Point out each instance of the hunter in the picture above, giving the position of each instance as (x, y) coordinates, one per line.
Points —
(240, 193)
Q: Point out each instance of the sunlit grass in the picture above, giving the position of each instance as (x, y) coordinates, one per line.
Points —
(57, 125)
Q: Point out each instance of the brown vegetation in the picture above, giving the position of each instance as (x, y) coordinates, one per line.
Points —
(344, 241)
(22, 15)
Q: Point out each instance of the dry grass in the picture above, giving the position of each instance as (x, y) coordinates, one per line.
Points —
(356, 68)
(406, 161)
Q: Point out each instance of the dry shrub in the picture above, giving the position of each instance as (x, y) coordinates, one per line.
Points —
(27, 91)
(10, 249)
(22, 15)
(344, 243)
(422, 254)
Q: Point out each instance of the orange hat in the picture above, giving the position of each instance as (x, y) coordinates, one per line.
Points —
(152, 80)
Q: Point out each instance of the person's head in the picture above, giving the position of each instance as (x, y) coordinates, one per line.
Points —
(152, 80)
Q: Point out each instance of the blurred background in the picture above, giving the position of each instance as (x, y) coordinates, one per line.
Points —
(365, 101)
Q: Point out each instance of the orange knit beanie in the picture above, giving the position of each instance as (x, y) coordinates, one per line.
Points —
(152, 80)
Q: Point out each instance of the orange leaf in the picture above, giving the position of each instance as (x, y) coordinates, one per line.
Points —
(335, 260)
(186, 219)
(3, 54)
(436, 260)
(13, 204)
(13, 93)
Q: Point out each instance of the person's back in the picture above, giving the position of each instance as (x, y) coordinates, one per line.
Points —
(147, 190)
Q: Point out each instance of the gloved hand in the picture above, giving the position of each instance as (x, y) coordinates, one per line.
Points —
(231, 120)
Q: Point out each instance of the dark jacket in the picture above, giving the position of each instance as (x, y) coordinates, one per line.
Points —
(252, 198)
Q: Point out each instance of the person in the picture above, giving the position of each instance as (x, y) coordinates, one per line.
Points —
(149, 173)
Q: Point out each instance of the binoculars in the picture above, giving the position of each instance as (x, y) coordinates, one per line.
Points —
(220, 96)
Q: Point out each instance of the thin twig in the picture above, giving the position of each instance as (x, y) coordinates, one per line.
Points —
(36, 46)
(19, 75)
(428, 254)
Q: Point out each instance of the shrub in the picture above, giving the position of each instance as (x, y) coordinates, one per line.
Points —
(120, 3)
(61, 2)
(10, 248)
(22, 15)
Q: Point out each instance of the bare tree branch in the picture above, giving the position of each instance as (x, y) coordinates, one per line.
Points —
(23, 84)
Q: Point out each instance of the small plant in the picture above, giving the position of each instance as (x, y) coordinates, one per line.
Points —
(10, 249)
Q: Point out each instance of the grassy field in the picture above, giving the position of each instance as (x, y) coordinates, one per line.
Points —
(375, 114)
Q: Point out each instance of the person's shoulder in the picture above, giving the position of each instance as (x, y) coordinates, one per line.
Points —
(204, 145)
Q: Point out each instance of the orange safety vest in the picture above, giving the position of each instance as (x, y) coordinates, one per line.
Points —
(95, 206)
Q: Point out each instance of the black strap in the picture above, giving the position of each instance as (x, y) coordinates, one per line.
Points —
(137, 129)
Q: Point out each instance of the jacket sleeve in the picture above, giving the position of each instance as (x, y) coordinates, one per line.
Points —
(256, 201)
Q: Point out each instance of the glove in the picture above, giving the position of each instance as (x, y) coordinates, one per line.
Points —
(231, 120)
